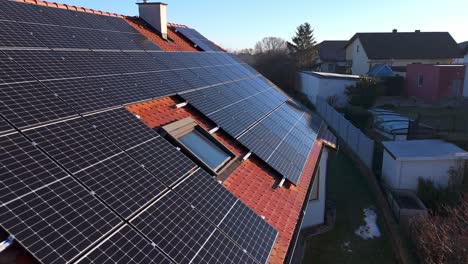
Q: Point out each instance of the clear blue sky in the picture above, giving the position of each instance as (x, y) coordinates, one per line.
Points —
(239, 24)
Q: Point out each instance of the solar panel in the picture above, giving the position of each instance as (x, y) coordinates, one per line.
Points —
(122, 127)
(121, 183)
(13, 34)
(23, 12)
(4, 126)
(250, 231)
(10, 71)
(186, 239)
(43, 64)
(163, 160)
(58, 221)
(276, 140)
(198, 39)
(120, 24)
(206, 195)
(75, 143)
(26, 104)
(84, 95)
(55, 36)
(24, 168)
(125, 89)
(125, 246)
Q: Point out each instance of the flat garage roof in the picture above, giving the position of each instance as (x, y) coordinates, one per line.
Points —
(424, 149)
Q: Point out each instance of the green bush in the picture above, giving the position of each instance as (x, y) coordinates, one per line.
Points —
(435, 197)
(364, 93)
(360, 117)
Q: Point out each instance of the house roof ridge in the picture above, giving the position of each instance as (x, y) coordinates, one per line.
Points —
(70, 7)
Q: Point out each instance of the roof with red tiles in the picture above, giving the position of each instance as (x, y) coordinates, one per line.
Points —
(253, 182)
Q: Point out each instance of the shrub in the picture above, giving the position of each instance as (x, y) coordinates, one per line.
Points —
(442, 239)
(360, 117)
(437, 198)
(364, 93)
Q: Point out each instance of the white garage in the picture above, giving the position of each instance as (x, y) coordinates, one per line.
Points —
(404, 162)
(325, 85)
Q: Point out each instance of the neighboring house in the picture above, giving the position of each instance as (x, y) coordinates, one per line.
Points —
(365, 50)
(332, 56)
(324, 85)
(132, 139)
(404, 162)
(434, 83)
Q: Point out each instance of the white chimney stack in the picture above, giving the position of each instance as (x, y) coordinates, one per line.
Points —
(155, 15)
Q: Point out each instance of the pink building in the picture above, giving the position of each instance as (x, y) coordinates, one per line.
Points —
(433, 83)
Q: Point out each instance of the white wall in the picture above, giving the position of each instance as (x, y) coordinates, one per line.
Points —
(389, 170)
(314, 87)
(315, 212)
(405, 174)
(360, 60)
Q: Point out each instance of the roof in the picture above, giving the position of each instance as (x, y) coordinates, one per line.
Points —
(87, 138)
(424, 150)
(408, 45)
(381, 70)
(332, 50)
(464, 47)
(329, 75)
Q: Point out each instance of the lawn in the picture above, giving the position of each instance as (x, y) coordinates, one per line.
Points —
(349, 193)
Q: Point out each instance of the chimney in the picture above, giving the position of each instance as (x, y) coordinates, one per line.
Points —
(417, 31)
(395, 30)
(155, 15)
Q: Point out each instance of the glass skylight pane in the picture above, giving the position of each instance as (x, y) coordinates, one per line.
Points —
(206, 150)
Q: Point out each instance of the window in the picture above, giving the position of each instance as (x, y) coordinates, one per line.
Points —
(357, 48)
(200, 145)
(314, 193)
(331, 67)
(420, 80)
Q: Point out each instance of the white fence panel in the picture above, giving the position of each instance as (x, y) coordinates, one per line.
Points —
(357, 142)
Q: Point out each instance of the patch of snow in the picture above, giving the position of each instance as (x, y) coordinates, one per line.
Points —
(346, 246)
(370, 229)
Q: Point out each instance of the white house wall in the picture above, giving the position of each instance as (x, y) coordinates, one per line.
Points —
(434, 170)
(315, 214)
(360, 60)
(309, 86)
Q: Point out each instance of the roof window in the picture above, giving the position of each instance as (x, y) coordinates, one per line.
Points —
(200, 145)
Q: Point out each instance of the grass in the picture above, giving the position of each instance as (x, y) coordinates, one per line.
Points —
(349, 193)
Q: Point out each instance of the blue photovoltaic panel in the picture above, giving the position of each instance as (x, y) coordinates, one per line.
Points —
(26, 104)
(121, 183)
(163, 160)
(122, 127)
(125, 246)
(197, 39)
(276, 140)
(24, 168)
(192, 239)
(75, 144)
(57, 222)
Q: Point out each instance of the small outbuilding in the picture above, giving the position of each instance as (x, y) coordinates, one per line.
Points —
(434, 83)
(404, 162)
(325, 85)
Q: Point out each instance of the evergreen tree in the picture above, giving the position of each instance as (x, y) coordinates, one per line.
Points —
(303, 47)
(304, 38)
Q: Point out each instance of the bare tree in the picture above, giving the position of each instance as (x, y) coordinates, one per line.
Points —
(271, 45)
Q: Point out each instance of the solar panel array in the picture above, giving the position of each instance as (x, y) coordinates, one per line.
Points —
(283, 139)
(198, 39)
(80, 173)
